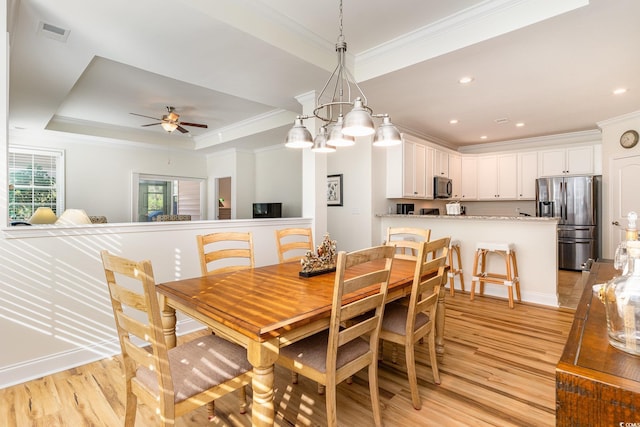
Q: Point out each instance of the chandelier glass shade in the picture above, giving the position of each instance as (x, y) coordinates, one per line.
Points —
(298, 136)
(169, 126)
(387, 134)
(347, 117)
(320, 142)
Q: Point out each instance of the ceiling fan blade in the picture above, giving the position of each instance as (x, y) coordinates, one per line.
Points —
(148, 117)
(181, 129)
(198, 125)
(151, 124)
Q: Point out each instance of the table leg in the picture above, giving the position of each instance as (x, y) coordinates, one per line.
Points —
(440, 325)
(263, 355)
(168, 324)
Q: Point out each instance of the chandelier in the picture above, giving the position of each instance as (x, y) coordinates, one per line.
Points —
(344, 118)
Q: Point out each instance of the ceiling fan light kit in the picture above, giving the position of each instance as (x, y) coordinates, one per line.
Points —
(358, 121)
(171, 121)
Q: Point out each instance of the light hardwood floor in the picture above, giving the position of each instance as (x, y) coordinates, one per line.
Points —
(498, 370)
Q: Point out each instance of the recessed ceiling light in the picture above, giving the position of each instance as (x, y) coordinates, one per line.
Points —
(465, 80)
(620, 91)
(483, 137)
(453, 121)
(519, 124)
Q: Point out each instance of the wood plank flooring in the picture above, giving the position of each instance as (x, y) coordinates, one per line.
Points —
(498, 370)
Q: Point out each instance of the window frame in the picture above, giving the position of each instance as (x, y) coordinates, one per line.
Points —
(59, 158)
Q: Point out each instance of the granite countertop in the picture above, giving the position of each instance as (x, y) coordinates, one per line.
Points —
(466, 217)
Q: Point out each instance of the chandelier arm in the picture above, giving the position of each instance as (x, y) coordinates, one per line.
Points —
(350, 79)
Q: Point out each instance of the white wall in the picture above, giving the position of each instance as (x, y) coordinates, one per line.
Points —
(279, 179)
(99, 171)
(351, 224)
(611, 149)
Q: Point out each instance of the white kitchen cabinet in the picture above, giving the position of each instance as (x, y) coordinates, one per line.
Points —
(441, 163)
(468, 178)
(497, 177)
(527, 174)
(567, 161)
(455, 174)
(409, 170)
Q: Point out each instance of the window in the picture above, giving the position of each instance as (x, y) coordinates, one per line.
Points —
(167, 195)
(36, 178)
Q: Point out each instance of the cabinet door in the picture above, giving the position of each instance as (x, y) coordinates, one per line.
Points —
(487, 177)
(580, 160)
(428, 172)
(552, 162)
(527, 174)
(507, 176)
(408, 169)
(455, 173)
(468, 178)
(419, 170)
(441, 163)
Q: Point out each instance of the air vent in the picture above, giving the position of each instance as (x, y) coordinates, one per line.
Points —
(52, 32)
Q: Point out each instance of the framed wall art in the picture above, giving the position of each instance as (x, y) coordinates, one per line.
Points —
(334, 190)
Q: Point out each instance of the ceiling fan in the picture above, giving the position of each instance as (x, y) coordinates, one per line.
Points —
(170, 121)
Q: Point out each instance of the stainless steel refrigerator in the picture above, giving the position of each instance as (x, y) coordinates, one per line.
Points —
(575, 201)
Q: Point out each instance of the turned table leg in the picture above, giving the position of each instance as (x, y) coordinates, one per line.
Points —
(263, 356)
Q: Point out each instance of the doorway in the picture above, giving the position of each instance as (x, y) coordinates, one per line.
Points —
(223, 195)
(625, 175)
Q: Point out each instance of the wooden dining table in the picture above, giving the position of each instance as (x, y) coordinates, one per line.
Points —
(265, 308)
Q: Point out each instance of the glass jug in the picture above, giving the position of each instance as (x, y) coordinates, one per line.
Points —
(622, 302)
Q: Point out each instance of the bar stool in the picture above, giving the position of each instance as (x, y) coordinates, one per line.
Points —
(481, 275)
(454, 246)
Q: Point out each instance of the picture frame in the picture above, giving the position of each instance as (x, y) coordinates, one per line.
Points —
(334, 190)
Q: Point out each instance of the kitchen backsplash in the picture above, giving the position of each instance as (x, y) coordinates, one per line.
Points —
(506, 208)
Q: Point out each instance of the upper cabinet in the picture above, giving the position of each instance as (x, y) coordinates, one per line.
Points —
(527, 175)
(455, 173)
(508, 175)
(567, 161)
(468, 178)
(441, 163)
(409, 170)
(497, 177)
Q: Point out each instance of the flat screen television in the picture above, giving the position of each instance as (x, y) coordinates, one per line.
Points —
(267, 210)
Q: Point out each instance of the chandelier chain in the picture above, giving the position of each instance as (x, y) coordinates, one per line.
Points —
(340, 37)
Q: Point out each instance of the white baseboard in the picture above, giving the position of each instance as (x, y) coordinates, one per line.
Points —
(37, 368)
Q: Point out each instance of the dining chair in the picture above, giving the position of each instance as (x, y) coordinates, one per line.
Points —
(293, 243)
(407, 240)
(406, 324)
(351, 342)
(171, 381)
(225, 252)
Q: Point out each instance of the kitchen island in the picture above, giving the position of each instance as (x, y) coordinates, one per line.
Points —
(535, 240)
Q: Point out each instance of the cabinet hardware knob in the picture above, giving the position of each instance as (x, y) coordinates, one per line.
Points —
(615, 223)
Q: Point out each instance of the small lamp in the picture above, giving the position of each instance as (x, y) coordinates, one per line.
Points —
(43, 215)
(73, 217)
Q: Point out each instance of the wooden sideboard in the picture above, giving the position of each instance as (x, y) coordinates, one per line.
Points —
(596, 384)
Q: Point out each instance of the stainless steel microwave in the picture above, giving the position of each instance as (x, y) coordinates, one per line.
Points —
(442, 187)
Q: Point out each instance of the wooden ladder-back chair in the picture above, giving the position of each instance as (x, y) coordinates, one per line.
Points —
(225, 252)
(293, 243)
(171, 381)
(407, 324)
(407, 240)
(351, 343)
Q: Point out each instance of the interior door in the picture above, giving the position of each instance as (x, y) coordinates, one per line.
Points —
(625, 197)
